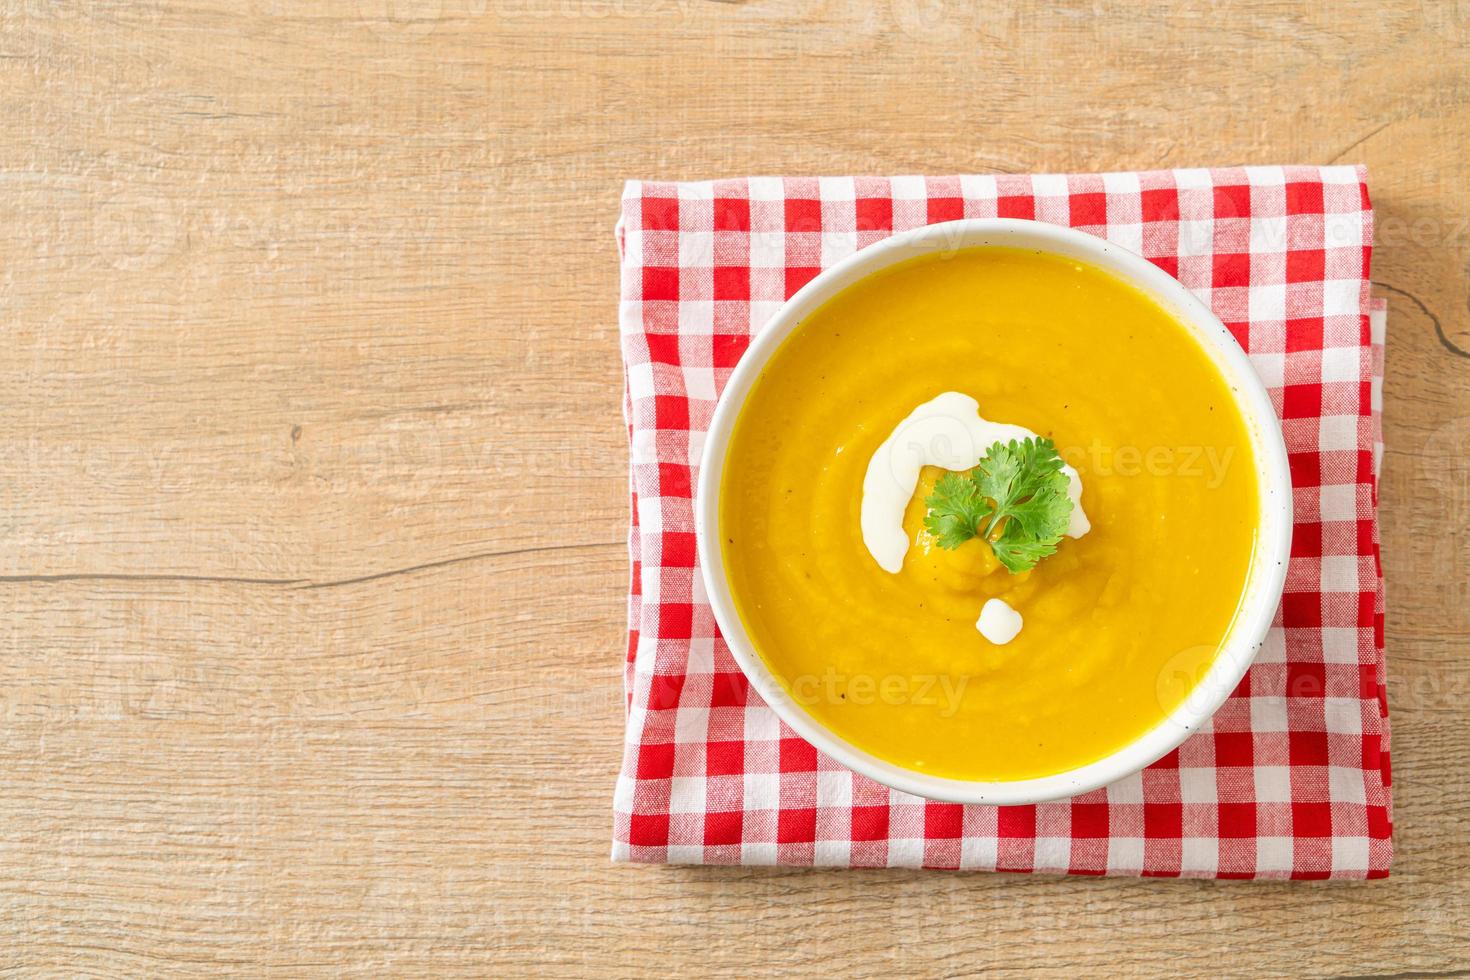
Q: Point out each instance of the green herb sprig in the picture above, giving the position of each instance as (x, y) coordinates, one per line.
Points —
(1015, 499)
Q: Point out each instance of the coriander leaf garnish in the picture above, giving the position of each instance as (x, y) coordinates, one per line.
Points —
(956, 509)
(1015, 499)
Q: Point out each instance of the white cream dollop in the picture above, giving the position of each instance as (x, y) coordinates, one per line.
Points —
(946, 431)
(998, 622)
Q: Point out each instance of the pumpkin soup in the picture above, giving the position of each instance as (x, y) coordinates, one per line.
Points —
(943, 658)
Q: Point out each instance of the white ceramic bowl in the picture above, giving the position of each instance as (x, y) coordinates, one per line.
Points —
(1268, 566)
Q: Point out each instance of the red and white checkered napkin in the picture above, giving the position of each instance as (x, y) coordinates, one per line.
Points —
(1291, 779)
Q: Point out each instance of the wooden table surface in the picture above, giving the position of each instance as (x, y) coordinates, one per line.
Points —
(312, 586)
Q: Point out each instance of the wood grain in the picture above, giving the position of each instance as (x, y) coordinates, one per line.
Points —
(311, 593)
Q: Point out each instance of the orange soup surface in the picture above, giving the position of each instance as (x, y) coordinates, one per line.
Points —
(1118, 624)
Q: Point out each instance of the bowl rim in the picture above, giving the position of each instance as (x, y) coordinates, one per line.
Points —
(1265, 580)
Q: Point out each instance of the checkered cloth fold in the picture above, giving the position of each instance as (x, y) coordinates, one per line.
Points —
(1290, 779)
